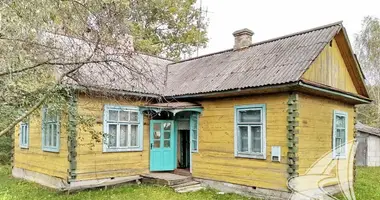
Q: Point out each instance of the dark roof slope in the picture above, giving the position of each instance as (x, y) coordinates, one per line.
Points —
(117, 69)
(367, 129)
(272, 62)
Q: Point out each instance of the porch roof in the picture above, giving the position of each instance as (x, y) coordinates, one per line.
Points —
(174, 107)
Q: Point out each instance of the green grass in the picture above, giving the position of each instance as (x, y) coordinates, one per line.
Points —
(367, 185)
(11, 188)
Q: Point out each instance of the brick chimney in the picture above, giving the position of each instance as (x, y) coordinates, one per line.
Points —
(243, 38)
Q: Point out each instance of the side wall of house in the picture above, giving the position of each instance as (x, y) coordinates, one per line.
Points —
(362, 148)
(373, 151)
(216, 160)
(330, 69)
(92, 162)
(34, 158)
(316, 130)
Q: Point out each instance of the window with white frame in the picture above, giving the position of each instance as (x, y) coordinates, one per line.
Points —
(250, 139)
(24, 134)
(339, 134)
(50, 130)
(194, 132)
(123, 129)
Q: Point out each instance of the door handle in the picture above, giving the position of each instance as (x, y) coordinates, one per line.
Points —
(151, 145)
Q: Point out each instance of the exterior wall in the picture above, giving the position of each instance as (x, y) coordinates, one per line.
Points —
(330, 69)
(316, 128)
(373, 158)
(362, 149)
(216, 160)
(34, 158)
(92, 163)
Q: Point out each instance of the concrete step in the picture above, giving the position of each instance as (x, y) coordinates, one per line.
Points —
(185, 184)
(190, 188)
(165, 179)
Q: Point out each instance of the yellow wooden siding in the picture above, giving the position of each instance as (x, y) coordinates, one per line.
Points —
(316, 128)
(92, 163)
(330, 69)
(216, 159)
(34, 159)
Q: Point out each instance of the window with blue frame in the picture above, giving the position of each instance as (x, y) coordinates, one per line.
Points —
(339, 134)
(24, 134)
(50, 130)
(194, 131)
(123, 129)
(250, 129)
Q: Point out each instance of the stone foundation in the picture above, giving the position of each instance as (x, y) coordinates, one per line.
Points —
(263, 193)
(43, 179)
(62, 185)
(245, 190)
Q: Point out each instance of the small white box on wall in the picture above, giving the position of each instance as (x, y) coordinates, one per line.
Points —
(276, 153)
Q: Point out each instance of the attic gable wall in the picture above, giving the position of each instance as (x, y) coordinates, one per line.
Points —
(330, 69)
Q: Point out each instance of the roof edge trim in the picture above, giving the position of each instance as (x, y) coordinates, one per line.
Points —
(335, 92)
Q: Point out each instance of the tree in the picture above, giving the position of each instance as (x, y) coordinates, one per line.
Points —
(367, 46)
(45, 44)
(171, 28)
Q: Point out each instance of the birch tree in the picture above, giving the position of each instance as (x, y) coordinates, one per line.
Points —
(367, 46)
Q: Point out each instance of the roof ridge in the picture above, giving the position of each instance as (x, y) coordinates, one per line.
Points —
(155, 56)
(265, 41)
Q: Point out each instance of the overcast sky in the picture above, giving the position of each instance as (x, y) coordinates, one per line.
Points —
(273, 18)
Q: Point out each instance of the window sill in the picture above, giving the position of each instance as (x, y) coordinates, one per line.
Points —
(24, 147)
(251, 156)
(122, 150)
(339, 157)
(50, 150)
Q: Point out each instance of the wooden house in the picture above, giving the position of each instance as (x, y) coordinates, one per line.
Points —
(247, 118)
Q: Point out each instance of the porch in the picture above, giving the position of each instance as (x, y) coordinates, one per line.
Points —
(173, 136)
(180, 184)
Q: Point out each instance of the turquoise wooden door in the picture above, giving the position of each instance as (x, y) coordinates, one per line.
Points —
(162, 145)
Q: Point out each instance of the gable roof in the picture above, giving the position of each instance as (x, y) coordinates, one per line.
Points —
(136, 73)
(114, 69)
(272, 62)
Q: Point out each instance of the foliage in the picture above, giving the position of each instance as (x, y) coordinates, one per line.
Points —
(367, 46)
(46, 44)
(5, 149)
(172, 28)
(17, 189)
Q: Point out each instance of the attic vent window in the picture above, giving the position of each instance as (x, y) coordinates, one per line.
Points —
(331, 43)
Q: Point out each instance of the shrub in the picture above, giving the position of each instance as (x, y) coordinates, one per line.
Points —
(5, 149)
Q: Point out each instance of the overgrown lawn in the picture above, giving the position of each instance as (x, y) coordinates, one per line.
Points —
(367, 185)
(11, 188)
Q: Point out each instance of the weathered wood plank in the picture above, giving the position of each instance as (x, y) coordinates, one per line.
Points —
(330, 69)
(216, 159)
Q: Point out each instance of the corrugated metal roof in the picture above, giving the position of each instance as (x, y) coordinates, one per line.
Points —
(367, 129)
(110, 68)
(137, 73)
(272, 62)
